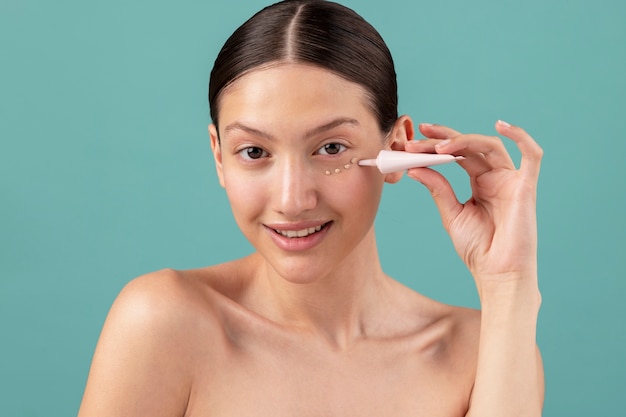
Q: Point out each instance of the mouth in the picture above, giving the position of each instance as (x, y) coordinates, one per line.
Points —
(308, 231)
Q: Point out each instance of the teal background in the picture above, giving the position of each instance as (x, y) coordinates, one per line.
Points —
(105, 170)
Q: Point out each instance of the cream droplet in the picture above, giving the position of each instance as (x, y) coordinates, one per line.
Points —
(327, 172)
(353, 161)
(347, 166)
(337, 170)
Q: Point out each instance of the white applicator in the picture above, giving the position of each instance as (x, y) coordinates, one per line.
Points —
(394, 161)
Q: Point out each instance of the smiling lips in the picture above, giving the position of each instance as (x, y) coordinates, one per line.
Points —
(299, 233)
(302, 232)
(298, 236)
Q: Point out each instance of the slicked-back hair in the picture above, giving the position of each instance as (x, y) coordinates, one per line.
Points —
(316, 32)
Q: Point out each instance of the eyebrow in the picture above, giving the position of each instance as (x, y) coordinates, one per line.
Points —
(310, 133)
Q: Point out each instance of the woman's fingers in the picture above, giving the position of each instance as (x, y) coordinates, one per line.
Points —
(423, 145)
(530, 150)
(482, 153)
(433, 134)
(442, 192)
(437, 131)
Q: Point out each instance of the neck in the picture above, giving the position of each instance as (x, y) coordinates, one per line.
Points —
(342, 305)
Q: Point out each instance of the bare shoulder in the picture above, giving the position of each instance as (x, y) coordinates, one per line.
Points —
(458, 356)
(462, 324)
(465, 331)
(465, 321)
(450, 333)
(169, 297)
(156, 295)
(171, 306)
(153, 306)
(158, 330)
(454, 320)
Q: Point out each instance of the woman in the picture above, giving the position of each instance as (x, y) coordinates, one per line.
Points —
(309, 324)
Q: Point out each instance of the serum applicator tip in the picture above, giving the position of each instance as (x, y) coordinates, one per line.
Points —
(367, 162)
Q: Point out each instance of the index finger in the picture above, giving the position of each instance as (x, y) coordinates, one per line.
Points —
(530, 150)
(437, 131)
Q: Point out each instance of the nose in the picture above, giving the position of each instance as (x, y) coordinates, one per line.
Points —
(295, 191)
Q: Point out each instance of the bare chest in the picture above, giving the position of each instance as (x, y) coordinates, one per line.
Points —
(297, 380)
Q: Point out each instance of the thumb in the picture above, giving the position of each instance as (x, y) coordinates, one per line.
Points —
(445, 199)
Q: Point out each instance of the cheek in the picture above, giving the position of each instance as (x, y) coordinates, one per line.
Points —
(245, 194)
(358, 189)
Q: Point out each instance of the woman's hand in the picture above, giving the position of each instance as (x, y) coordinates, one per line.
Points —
(495, 231)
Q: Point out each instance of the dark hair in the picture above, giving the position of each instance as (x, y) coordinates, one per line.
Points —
(316, 32)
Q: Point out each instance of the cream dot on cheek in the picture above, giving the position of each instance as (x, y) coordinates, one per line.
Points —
(338, 170)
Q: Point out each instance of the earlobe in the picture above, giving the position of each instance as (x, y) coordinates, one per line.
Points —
(217, 152)
(402, 132)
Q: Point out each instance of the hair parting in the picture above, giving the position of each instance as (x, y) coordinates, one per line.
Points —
(314, 32)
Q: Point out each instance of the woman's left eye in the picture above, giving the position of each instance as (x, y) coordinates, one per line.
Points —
(332, 149)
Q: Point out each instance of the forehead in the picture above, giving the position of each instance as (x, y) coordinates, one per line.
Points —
(293, 94)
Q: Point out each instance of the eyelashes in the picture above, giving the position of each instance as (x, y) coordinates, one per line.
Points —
(332, 148)
(251, 153)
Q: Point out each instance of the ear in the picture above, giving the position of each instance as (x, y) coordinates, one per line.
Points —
(217, 152)
(402, 132)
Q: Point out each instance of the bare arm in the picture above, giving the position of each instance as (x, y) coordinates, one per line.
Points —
(509, 378)
(495, 233)
(139, 367)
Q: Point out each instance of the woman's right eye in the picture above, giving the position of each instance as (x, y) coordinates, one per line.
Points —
(253, 152)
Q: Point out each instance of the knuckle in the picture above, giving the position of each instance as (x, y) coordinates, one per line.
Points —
(437, 188)
(537, 151)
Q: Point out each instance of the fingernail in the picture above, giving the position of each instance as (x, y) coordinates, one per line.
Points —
(427, 124)
(442, 143)
(503, 123)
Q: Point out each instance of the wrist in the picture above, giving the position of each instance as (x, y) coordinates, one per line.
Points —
(510, 291)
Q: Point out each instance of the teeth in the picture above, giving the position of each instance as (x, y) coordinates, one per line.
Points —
(299, 233)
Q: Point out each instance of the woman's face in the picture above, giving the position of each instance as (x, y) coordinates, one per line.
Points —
(290, 136)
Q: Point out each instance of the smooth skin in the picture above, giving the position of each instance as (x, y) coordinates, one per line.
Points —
(311, 325)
